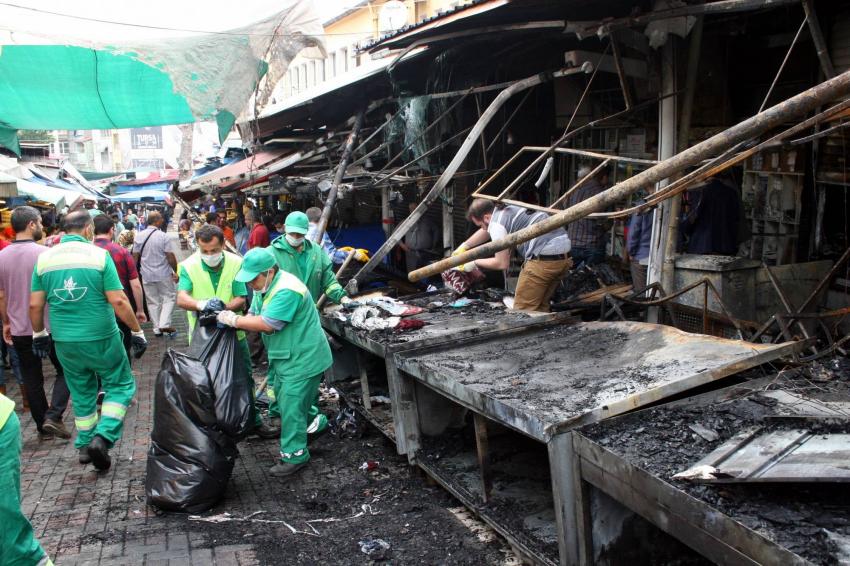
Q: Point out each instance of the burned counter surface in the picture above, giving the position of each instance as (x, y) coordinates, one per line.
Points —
(634, 457)
(531, 387)
(548, 380)
(440, 322)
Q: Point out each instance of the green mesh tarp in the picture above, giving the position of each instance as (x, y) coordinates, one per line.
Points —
(67, 71)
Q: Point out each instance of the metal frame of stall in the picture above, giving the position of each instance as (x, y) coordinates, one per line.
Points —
(568, 492)
(716, 535)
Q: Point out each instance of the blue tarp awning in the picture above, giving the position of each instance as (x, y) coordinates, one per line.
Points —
(124, 189)
(142, 196)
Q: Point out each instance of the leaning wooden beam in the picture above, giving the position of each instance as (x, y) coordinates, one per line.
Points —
(790, 109)
(817, 37)
(456, 162)
(340, 172)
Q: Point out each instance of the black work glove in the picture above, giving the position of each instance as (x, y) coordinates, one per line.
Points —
(138, 344)
(213, 306)
(41, 346)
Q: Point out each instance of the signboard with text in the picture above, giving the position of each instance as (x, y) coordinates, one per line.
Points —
(146, 138)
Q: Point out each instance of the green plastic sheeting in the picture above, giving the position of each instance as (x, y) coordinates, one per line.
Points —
(88, 89)
(9, 140)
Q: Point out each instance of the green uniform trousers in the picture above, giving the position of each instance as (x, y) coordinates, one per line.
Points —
(245, 352)
(84, 362)
(299, 413)
(18, 546)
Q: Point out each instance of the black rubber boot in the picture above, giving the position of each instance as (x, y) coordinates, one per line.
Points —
(99, 453)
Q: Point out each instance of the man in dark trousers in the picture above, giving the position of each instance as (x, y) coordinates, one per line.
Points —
(712, 224)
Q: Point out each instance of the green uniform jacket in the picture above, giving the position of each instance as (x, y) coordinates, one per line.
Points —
(312, 266)
(301, 346)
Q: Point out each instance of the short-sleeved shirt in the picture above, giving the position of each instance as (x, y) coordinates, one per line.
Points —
(259, 237)
(74, 277)
(124, 265)
(280, 310)
(17, 262)
(154, 263)
(185, 283)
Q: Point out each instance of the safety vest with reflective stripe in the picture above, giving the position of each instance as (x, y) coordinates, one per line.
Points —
(202, 283)
(300, 349)
(7, 407)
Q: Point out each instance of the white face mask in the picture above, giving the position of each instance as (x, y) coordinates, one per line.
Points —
(294, 242)
(212, 260)
(268, 283)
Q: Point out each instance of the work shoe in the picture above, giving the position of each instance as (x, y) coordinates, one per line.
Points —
(57, 428)
(84, 455)
(265, 431)
(44, 435)
(284, 469)
(99, 453)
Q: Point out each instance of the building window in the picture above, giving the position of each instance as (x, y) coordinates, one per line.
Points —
(320, 71)
(332, 69)
(302, 71)
(79, 147)
(311, 80)
(63, 148)
(344, 55)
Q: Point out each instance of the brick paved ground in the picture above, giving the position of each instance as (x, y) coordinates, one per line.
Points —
(82, 517)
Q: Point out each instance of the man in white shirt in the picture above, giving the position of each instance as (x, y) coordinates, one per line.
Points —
(153, 251)
(546, 258)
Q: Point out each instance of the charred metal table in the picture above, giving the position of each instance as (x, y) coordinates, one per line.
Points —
(732, 520)
(443, 325)
(545, 380)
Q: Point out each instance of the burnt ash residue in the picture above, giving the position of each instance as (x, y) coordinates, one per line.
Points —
(445, 320)
(557, 374)
(804, 518)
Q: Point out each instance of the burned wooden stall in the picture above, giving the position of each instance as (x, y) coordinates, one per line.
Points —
(366, 377)
(761, 466)
(526, 389)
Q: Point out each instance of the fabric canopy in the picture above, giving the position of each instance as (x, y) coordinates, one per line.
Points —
(57, 197)
(142, 196)
(124, 189)
(96, 65)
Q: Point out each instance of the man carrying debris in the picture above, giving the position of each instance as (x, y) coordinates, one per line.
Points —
(545, 257)
(80, 283)
(306, 260)
(207, 286)
(285, 313)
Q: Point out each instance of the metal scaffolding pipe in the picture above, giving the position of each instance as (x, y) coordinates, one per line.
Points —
(456, 162)
(790, 109)
(340, 172)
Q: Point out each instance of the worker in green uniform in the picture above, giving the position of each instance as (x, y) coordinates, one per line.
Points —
(284, 312)
(80, 283)
(17, 541)
(306, 260)
(207, 286)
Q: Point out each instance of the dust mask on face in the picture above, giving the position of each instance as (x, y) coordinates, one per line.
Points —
(267, 284)
(212, 260)
(293, 241)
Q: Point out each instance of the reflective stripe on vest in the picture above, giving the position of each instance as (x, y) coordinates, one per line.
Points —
(71, 255)
(285, 281)
(202, 283)
(7, 407)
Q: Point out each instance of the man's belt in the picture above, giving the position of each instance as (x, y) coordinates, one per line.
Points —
(557, 257)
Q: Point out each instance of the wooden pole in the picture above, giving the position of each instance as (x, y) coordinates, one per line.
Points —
(340, 172)
(817, 37)
(321, 302)
(456, 162)
(790, 109)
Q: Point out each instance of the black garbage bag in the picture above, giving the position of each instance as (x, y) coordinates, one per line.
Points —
(218, 350)
(190, 460)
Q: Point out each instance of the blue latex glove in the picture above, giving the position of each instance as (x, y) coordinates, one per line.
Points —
(213, 306)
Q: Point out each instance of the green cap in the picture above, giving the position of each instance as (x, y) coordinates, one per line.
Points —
(296, 222)
(256, 262)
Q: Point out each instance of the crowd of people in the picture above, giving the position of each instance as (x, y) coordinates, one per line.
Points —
(79, 295)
